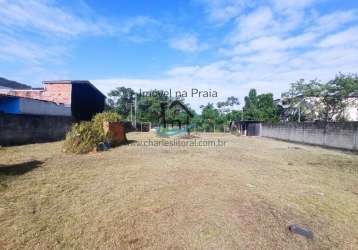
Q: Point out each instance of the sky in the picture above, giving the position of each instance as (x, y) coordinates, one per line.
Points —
(227, 46)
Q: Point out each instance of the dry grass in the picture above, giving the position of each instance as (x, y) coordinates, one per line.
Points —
(241, 196)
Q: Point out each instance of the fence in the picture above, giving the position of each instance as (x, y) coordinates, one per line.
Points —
(343, 135)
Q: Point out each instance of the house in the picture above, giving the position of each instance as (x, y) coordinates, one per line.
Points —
(84, 99)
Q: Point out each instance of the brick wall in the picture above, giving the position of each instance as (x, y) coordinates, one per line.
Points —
(34, 94)
(58, 93)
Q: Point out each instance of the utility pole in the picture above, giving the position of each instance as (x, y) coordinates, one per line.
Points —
(131, 113)
(135, 111)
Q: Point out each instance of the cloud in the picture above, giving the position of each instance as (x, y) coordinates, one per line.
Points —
(259, 44)
(43, 33)
(14, 47)
(266, 71)
(273, 43)
(188, 43)
(266, 48)
(348, 37)
(254, 24)
(38, 35)
(43, 16)
(221, 11)
(141, 29)
(292, 4)
(330, 22)
(264, 21)
(315, 48)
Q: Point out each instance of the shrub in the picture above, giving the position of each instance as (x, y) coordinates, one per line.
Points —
(82, 138)
(85, 136)
(100, 118)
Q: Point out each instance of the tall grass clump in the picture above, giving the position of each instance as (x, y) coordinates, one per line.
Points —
(84, 137)
(98, 120)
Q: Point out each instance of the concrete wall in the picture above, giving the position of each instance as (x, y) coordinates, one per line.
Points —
(37, 107)
(19, 105)
(336, 135)
(24, 129)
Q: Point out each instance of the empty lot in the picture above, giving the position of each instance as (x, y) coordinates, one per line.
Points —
(241, 196)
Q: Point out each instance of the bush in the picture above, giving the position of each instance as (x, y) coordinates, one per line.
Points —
(85, 136)
(98, 120)
(82, 138)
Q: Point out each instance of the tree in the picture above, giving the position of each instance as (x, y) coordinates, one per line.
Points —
(250, 108)
(148, 107)
(120, 100)
(267, 108)
(234, 115)
(301, 99)
(260, 107)
(334, 96)
(227, 114)
(226, 106)
(210, 118)
(346, 84)
(323, 101)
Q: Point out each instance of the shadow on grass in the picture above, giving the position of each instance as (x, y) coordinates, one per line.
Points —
(130, 142)
(20, 168)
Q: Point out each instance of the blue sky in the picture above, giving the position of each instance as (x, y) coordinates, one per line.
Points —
(225, 45)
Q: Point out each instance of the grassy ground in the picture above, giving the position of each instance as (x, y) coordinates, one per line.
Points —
(241, 196)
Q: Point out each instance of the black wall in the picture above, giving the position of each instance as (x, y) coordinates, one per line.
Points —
(86, 102)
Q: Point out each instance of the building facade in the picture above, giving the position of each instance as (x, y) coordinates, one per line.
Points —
(83, 99)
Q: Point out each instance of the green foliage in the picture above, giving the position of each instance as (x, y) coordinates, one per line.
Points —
(234, 115)
(85, 136)
(299, 107)
(82, 138)
(210, 120)
(120, 100)
(334, 94)
(345, 84)
(148, 107)
(98, 120)
(260, 107)
(323, 101)
(225, 106)
(267, 108)
(251, 111)
(329, 104)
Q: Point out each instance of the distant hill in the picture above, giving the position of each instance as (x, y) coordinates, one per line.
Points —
(12, 84)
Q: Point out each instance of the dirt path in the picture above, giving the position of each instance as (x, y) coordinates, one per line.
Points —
(241, 196)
